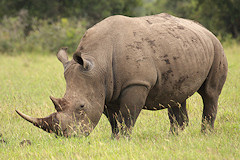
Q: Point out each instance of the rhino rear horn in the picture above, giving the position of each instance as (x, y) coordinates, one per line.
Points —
(62, 56)
(56, 103)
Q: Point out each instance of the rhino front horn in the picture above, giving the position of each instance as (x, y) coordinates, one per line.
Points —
(28, 118)
(44, 123)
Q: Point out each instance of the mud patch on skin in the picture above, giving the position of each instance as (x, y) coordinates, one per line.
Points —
(165, 58)
(149, 22)
(152, 44)
(172, 32)
(180, 27)
(85, 35)
(178, 84)
(219, 67)
(141, 59)
(81, 48)
(175, 58)
(166, 16)
(135, 45)
(167, 61)
(194, 39)
(165, 75)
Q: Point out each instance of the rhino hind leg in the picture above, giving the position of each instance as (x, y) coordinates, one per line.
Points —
(212, 87)
(178, 117)
(210, 91)
(209, 112)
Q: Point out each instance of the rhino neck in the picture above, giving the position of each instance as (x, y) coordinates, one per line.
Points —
(92, 45)
(109, 86)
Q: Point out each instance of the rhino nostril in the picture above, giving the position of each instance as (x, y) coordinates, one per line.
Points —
(81, 106)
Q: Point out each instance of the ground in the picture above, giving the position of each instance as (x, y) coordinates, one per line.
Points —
(27, 80)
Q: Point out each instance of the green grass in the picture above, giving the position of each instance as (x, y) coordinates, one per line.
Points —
(27, 80)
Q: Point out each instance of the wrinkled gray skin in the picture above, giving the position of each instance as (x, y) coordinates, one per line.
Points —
(123, 65)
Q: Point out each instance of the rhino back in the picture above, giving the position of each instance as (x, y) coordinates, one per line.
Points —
(169, 55)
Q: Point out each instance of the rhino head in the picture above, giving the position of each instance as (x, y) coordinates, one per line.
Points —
(79, 111)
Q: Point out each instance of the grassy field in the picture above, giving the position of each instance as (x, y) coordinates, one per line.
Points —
(26, 82)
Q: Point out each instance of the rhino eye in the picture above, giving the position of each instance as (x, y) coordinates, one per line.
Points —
(80, 108)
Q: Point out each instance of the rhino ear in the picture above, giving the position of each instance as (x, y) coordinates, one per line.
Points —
(87, 65)
(62, 56)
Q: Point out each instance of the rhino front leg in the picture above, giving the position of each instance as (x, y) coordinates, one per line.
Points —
(132, 101)
(111, 112)
(178, 117)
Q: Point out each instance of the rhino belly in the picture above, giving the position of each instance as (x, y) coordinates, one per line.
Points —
(174, 91)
